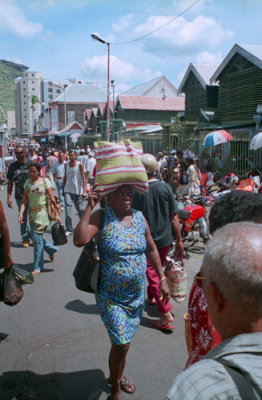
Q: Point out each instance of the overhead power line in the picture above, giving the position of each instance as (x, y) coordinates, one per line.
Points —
(160, 27)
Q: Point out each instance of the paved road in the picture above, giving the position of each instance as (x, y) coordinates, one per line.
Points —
(54, 345)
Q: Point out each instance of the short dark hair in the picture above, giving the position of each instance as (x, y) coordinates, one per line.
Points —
(235, 206)
(190, 160)
(72, 151)
(36, 165)
(179, 151)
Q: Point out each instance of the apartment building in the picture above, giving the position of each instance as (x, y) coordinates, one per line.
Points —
(33, 84)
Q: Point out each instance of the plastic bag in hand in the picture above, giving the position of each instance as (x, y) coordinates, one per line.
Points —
(22, 275)
(13, 291)
(58, 234)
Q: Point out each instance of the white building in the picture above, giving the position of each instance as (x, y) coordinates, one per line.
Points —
(158, 87)
(11, 120)
(33, 84)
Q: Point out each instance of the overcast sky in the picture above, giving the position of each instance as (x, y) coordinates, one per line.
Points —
(53, 36)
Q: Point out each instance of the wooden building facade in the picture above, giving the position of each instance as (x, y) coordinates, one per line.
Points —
(200, 96)
(240, 85)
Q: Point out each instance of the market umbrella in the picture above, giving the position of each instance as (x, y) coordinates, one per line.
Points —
(256, 141)
(189, 154)
(216, 137)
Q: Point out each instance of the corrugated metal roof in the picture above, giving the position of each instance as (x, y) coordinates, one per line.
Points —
(206, 71)
(86, 93)
(111, 104)
(140, 90)
(152, 103)
(130, 125)
(255, 50)
(72, 126)
(88, 113)
(94, 111)
(252, 53)
(203, 73)
(101, 106)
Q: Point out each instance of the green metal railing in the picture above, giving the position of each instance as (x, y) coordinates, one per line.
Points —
(233, 156)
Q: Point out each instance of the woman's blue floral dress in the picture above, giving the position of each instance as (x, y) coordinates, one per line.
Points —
(122, 271)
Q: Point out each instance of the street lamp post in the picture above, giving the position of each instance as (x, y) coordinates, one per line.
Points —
(64, 87)
(65, 117)
(113, 87)
(96, 37)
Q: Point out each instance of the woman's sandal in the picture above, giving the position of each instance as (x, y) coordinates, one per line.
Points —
(163, 326)
(125, 384)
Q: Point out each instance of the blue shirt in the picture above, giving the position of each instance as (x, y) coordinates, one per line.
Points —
(59, 170)
(209, 380)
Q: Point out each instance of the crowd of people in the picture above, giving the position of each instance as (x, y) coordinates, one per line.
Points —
(224, 308)
(181, 170)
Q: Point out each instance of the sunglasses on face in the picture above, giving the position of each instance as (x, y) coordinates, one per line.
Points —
(19, 152)
(200, 278)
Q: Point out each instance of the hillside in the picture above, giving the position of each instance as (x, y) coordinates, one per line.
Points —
(8, 72)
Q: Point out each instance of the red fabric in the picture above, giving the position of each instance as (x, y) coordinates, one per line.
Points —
(153, 282)
(203, 335)
(42, 168)
(246, 185)
(203, 182)
(94, 171)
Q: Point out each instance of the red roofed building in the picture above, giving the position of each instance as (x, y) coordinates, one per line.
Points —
(148, 110)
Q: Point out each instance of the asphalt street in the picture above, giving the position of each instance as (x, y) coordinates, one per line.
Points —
(54, 345)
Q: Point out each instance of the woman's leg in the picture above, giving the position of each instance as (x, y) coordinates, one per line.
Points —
(49, 247)
(117, 361)
(38, 251)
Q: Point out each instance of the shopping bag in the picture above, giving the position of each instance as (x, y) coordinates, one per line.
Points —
(58, 233)
(13, 291)
(120, 164)
(176, 278)
(53, 207)
(24, 277)
(87, 268)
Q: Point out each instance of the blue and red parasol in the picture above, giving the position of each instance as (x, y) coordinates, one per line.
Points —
(216, 137)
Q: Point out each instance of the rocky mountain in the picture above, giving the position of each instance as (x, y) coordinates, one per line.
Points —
(8, 72)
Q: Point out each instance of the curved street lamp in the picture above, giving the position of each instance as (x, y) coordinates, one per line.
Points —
(96, 37)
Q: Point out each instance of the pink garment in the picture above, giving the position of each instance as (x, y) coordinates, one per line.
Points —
(42, 168)
(153, 282)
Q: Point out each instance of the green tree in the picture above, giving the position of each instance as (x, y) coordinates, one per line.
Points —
(34, 100)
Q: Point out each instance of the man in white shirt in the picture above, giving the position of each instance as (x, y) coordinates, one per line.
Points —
(50, 162)
(74, 189)
(58, 171)
(83, 158)
(91, 167)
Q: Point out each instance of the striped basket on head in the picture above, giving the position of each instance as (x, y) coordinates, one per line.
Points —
(120, 164)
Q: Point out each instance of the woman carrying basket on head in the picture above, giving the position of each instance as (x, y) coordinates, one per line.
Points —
(125, 243)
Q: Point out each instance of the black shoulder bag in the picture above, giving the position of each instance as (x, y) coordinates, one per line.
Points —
(87, 267)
